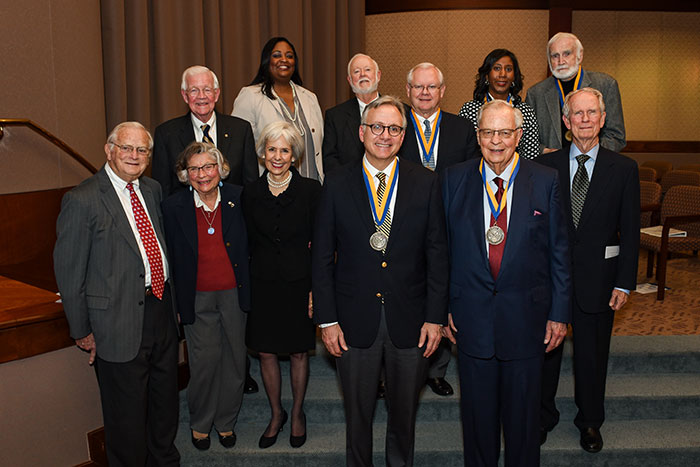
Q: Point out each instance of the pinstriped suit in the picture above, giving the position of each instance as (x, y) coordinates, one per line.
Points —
(101, 275)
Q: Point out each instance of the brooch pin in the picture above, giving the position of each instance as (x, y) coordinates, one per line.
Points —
(230, 203)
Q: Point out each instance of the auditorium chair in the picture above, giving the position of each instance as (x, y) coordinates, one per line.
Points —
(680, 209)
(647, 174)
(679, 177)
(661, 168)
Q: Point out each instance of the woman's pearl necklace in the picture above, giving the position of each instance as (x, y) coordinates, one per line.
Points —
(281, 184)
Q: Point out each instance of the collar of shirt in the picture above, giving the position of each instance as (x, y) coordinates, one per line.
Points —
(196, 125)
(590, 163)
(198, 203)
(363, 105)
(118, 183)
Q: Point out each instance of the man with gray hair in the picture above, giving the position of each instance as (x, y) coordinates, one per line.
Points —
(112, 272)
(437, 140)
(600, 189)
(565, 54)
(340, 142)
(231, 135)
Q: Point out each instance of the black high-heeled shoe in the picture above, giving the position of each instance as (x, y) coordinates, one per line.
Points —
(267, 441)
(298, 441)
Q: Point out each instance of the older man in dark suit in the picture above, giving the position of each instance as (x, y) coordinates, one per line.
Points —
(510, 287)
(112, 272)
(436, 139)
(601, 194)
(231, 135)
(379, 268)
(341, 144)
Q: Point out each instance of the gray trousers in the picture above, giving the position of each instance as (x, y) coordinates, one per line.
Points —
(359, 371)
(217, 352)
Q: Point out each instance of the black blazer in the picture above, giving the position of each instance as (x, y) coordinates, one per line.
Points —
(411, 277)
(179, 216)
(457, 141)
(610, 217)
(341, 139)
(280, 228)
(234, 140)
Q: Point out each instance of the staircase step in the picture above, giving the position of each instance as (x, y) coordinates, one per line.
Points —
(641, 443)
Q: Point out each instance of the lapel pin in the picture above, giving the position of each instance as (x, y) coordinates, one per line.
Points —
(225, 135)
(230, 203)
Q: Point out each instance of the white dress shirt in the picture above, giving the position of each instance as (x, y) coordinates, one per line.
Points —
(421, 124)
(197, 124)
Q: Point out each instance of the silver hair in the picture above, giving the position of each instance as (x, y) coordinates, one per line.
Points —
(424, 66)
(195, 70)
(567, 108)
(277, 130)
(517, 114)
(386, 100)
(112, 138)
(566, 35)
(197, 147)
(374, 62)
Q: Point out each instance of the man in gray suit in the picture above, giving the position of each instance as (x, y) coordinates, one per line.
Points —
(565, 53)
(112, 273)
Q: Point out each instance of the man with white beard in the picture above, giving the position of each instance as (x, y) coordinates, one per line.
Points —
(565, 54)
(341, 143)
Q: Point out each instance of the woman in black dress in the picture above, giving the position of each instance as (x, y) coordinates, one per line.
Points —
(279, 209)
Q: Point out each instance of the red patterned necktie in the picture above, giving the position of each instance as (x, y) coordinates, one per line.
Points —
(150, 243)
(496, 251)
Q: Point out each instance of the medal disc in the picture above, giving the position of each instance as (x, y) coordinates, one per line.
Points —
(494, 235)
(210, 230)
(568, 135)
(378, 240)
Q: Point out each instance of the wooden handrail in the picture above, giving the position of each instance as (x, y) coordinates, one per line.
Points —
(49, 136)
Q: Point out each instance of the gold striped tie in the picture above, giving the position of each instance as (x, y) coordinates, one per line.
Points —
(385, 228)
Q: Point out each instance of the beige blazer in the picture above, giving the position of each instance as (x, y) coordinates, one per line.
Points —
(258, 109)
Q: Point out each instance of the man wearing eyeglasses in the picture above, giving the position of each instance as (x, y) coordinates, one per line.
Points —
(510, 287)
(231, 135)
(601, 193)
(379, 269)
(436, 139)
(112, 271)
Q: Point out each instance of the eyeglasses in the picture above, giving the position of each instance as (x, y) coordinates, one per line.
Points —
(505, 133)
(194, 92)
(128, 149)
(431, 88)
(378, 129)
(207, 168)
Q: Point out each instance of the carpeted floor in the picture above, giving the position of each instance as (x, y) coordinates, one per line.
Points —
(677, 314)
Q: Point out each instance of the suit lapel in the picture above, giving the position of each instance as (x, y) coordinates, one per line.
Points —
(186, 216)
(223, 138)
(359, 196)
(598, 185)
(554, 107)
(227, 207)
(409, 148)
(186, 132)
(474, 218)
(445, 142)
(403, 201)
(519, 215)
(352, 112)
(116, 210)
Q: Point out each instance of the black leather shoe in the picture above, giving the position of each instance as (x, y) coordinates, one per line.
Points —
(227, 441)
(591, 441)
(440, 386)
(201, 443)
(298, 441)
(381, 390)
(543, 437)
(250, 386)
(267, 441)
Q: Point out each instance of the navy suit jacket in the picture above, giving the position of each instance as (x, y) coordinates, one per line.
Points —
(234, 138)
(610, 217)
(341, 135)
(179, 215)
(411, 277)
(507, 317)
(457, 141)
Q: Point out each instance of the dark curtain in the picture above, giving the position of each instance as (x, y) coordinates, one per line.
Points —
(148, 43)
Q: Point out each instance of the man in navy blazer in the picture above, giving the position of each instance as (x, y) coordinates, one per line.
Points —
(231, 135)
(341, 145)
(603, 223)
(505, 312)
(454, 141)
(380, 281)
